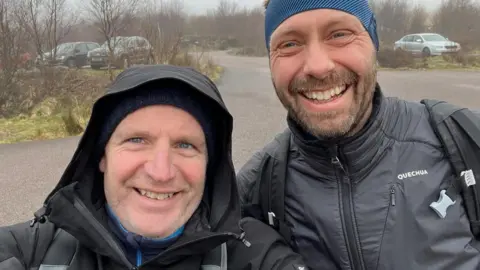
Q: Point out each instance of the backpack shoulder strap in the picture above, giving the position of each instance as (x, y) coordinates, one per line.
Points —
(60, 252)
(458, 129)
(43, 245)
(216, 259)
(33, 240)
(272, 183)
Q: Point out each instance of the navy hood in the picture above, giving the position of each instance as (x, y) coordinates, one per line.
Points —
(82, 182)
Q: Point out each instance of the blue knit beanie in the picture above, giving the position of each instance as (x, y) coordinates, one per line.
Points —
(138, 99)
(278, 11)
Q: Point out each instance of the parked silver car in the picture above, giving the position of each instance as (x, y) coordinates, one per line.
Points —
(427, 44)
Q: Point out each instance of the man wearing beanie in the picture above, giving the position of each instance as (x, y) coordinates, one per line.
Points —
(359, 181)
(150, 186)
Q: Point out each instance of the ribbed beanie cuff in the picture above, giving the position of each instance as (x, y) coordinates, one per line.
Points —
(147, 97)
(279, 10)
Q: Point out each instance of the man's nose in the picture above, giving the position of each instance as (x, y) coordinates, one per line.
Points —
(160, 167)
(318, 63)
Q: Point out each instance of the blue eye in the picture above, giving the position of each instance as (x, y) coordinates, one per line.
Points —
(135, 140)
(289, 44)
(341, 34)
(185, 145)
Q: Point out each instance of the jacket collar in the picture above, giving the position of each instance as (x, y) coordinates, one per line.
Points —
(357, 153)
(72, 210)
(138, 247)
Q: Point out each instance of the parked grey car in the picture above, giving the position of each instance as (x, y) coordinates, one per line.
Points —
(71, 54)
(127, 51)
(427, 44)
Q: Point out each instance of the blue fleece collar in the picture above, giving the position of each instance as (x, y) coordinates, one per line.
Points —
(140, 248)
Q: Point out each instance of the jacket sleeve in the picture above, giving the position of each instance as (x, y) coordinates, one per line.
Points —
(247, 176)
(264, 249)
(477, 114)
(11, 258)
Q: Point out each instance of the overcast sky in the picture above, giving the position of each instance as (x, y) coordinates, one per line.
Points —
(200, 6)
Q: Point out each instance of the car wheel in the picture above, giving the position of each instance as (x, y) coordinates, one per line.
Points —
(426, 52)
(71, 63)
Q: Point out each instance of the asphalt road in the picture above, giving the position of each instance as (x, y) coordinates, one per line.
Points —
(28, 171)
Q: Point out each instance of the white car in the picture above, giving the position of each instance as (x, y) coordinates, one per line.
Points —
(427, 44)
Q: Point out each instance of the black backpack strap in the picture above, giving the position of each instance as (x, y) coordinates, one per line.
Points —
(272, 184)
(33, 241)
(60, 252)
(268, 198)
(458, 129)
(216, 259)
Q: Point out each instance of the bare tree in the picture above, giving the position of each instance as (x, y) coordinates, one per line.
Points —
(393, 19)
(224, 13)
(58, 23)
(459, 20)
(13, 50)
(163, 24)
(418, 22)
(29, 14)
(47, 23)
(111, 18)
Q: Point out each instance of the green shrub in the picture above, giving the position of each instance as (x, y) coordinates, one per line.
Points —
(390, 58)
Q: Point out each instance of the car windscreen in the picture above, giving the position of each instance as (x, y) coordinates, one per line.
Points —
(115, 42)
(434, 38)
(64, 48)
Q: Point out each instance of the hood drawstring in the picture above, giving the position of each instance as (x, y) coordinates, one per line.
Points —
(40, 215)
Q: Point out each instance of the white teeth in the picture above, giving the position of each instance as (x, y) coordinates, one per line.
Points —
(325, 95)
(338, 90)
(153, 195)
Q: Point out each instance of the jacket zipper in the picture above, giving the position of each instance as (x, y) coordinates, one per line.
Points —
(392, 195)
(353, 245)
(82, 208)
(227, 235)
(107, 237)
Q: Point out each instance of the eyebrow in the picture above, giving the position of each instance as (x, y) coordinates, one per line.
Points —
(288, 31)
(122, 134)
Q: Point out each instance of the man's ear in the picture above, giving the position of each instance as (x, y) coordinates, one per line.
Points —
(102, 164)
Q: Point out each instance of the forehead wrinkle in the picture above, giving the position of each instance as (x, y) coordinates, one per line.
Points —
(288, 28)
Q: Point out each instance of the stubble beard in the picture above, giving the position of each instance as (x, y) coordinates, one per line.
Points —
(332, 124)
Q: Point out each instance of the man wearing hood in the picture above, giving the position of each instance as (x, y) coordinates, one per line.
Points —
(150, 186)
(358, 181)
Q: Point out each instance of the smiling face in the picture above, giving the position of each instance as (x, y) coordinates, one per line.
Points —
(323, 70)
(154, 170)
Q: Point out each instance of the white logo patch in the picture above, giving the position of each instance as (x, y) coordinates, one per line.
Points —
(412, 174)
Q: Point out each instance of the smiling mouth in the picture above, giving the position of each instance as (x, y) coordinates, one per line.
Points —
(155, 195)
(325, 95)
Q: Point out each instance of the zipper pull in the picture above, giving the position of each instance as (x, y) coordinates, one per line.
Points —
(392, 195)
(336, 162)
(39, 216)
(244, 241)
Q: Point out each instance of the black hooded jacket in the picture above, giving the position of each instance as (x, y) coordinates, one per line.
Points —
(74, 212)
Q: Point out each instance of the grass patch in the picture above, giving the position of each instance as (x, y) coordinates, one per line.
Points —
(390, 59)
(21, 128)
(100, 72)
(437, 63)
(259, 51)
(216, 73)
(54, 118)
